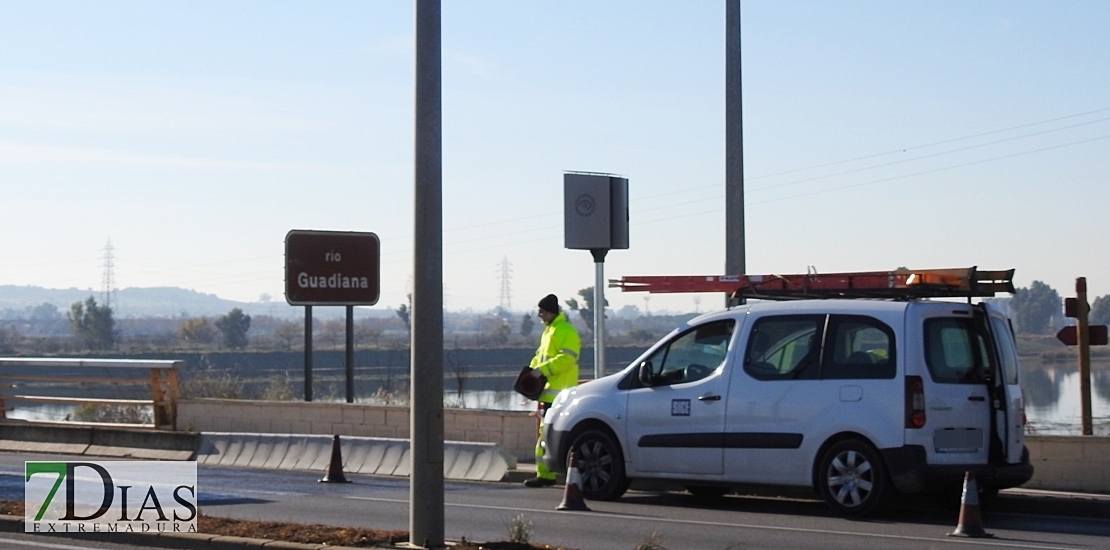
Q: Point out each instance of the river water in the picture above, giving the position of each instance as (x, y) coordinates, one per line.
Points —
(1052, 398)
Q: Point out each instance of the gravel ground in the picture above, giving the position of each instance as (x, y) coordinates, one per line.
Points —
(312, 534)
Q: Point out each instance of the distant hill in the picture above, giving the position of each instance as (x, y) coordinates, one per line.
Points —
(15, 301)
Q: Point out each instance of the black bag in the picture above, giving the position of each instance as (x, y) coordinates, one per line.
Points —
(529, 386)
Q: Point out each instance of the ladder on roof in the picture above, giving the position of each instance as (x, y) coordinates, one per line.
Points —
(898, 284)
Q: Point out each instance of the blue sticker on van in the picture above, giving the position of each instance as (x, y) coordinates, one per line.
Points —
(680, 407)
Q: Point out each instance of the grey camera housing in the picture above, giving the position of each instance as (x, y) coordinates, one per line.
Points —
(595, 211)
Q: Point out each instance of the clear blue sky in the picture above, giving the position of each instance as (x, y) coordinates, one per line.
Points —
(877, 134)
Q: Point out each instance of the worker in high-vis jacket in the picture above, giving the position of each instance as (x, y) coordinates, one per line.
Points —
(557, 359)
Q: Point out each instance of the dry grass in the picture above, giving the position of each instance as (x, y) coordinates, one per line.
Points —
(312, 534)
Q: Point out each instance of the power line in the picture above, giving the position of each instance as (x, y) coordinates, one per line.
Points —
(941, 153)
(933, 144)
(953, 167)
(686, 190)
(821, 191)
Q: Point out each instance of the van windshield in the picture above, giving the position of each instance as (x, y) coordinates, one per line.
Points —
(956, 351)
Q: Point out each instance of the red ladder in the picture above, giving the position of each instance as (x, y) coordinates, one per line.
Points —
(898, 284)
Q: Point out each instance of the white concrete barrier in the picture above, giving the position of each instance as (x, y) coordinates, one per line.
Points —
(367, 455)
(515, 431)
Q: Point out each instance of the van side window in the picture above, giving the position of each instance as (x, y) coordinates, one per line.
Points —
(692, 355)
(858, 347)
(955, 352)
(785, 347)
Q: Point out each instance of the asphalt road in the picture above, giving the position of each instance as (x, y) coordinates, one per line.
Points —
(484, 511)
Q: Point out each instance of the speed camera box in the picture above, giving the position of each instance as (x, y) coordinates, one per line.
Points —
(595, 211)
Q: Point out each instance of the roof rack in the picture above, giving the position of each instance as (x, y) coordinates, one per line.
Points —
(903, 284)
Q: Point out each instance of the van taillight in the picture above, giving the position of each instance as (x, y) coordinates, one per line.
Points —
(915, 402)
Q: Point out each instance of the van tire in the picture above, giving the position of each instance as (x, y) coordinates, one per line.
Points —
(600, 464)
(852, 478)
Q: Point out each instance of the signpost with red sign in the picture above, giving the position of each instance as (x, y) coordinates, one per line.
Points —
(331, 268)
(1096, 333)
(1084, 336)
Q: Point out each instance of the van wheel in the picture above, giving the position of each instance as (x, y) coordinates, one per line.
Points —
(600, 465)
(852, 478)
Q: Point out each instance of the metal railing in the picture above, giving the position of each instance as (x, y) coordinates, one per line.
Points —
(108, 384)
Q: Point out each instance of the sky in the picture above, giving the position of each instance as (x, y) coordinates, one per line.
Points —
(193, 136)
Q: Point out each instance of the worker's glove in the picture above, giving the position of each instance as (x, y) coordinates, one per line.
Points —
(536, 373)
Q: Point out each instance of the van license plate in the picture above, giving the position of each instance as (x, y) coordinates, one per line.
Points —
(958, 440)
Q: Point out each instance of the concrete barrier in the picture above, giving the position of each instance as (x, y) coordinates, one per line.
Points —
(1069, 463)
(18, 436)
(466, 461)
(515, 431)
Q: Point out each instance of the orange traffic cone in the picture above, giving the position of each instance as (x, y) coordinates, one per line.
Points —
(335, 468)
(971, 523)
(572, 492)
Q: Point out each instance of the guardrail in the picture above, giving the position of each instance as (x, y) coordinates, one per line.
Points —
(108, 386)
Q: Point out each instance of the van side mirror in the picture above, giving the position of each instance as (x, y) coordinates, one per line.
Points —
(644, 374)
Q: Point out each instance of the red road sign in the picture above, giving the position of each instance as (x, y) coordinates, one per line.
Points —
(1069, 336)
(331, 268)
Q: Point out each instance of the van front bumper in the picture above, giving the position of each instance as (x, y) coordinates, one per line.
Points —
(553, 440)
(911, 474)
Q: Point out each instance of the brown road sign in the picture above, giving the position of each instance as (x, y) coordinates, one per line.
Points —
(1097, 333)
(325, 268)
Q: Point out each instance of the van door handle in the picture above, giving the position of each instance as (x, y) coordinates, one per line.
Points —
(977, 398)
(710, 397)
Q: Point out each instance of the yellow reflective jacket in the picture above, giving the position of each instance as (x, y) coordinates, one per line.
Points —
(557, 357)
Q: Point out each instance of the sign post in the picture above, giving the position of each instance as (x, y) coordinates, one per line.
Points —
(595, 218)
(308, 353)
(1083, 335)
(331, 268)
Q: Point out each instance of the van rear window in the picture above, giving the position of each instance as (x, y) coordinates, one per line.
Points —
(955, 352)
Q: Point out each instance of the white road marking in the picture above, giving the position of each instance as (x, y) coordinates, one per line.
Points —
(977, 542)
(4, 542)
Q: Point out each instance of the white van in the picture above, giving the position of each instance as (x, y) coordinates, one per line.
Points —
(855, 398)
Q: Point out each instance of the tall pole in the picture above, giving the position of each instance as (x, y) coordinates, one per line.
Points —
(426, 502)
(1083, 339)
(735, 263)
(599, 311)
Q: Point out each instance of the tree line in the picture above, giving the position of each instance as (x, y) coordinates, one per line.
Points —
(95, 328)
(1039, 309)
(1035, 310)
(92, 327)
